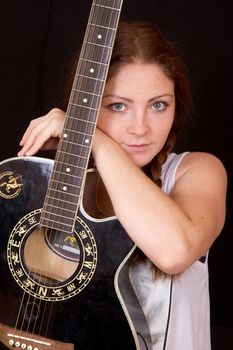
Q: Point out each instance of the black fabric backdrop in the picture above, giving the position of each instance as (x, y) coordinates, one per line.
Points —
(37, 41)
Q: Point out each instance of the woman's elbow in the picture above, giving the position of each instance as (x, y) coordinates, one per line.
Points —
(175, 261)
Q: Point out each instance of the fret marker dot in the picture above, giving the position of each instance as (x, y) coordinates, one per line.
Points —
(67, 170)
(92, 70)
(65, 136)
(64, 188)
(85, 100)
(86, 141)
(99, 36)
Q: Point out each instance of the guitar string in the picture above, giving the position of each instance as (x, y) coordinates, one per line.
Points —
(56, 185)
(35, 306)
(26, 305)
(47, 304)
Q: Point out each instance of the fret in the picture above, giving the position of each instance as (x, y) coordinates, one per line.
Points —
(61, 216)
(74, 143)
(100, 63)
(82, 154)
(81, 118)
(83, 106)
(79, 141)
(58, 210)
(60, 188)
(98, 34)
(79, 167)
(81, 115)
(66, 180)
(63, 173)
(97, 44)
(114, 3)
(72, 160)
(105, 16)
(63, 202)
(57, 223)
(85, 84)
(75, 133)
(66, 184)
(94, 70)
(72, 149)
(61, 199)
(80, 164)
(89, 77)
(58, 202)
(83, 98)
(89, 93)
(59, 180)
(63, 196)
(96, 53)
(72, 192)
(108, 7)
(84, 126)
(101, 26)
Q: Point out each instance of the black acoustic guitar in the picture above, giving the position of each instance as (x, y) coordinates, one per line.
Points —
(64, 275)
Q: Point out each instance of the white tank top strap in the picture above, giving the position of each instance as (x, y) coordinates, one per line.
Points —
(169, 169)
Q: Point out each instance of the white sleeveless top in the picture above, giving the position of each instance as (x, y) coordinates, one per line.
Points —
(177, 309)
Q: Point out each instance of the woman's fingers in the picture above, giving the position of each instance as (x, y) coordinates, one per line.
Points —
(42, 133)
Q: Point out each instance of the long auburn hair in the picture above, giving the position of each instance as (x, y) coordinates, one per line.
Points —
(143, 41)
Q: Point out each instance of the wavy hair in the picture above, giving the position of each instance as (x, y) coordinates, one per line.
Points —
(143, 41)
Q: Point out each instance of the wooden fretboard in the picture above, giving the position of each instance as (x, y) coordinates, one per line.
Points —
(67, 180)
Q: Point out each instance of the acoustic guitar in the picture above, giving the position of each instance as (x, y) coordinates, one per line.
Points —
(64, 274)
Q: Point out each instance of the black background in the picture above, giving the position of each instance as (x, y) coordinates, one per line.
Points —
(37, 41)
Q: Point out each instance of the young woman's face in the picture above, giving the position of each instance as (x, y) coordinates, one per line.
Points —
(138, 109)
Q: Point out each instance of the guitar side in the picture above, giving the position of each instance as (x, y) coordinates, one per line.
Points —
(96, 313)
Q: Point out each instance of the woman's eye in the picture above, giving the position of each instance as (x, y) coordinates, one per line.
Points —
(160, 106)
(117, 107)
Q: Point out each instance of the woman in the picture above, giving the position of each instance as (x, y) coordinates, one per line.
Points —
(172, 206)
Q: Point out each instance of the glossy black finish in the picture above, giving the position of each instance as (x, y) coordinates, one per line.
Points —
(94, 318)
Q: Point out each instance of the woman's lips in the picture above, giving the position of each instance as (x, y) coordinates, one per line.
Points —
(137, 148)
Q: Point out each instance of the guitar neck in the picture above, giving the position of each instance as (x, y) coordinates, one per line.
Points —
(67, 180)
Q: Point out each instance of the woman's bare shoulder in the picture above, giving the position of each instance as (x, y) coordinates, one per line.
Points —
(202, 163)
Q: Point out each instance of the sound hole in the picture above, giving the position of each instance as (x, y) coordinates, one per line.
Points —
(50, 256)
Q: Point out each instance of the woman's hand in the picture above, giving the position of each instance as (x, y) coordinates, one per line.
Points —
(42, 133)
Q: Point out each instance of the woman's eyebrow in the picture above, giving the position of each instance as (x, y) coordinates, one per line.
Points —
(130, 100)
(160, 96)
(118, 97)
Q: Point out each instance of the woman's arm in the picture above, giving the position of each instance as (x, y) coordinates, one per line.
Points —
(172, 231)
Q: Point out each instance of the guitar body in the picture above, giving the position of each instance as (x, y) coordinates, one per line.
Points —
(84, 309)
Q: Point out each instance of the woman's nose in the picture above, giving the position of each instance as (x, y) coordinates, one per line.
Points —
(138, 124)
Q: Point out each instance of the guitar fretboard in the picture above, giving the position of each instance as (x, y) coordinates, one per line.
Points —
(67, 180)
